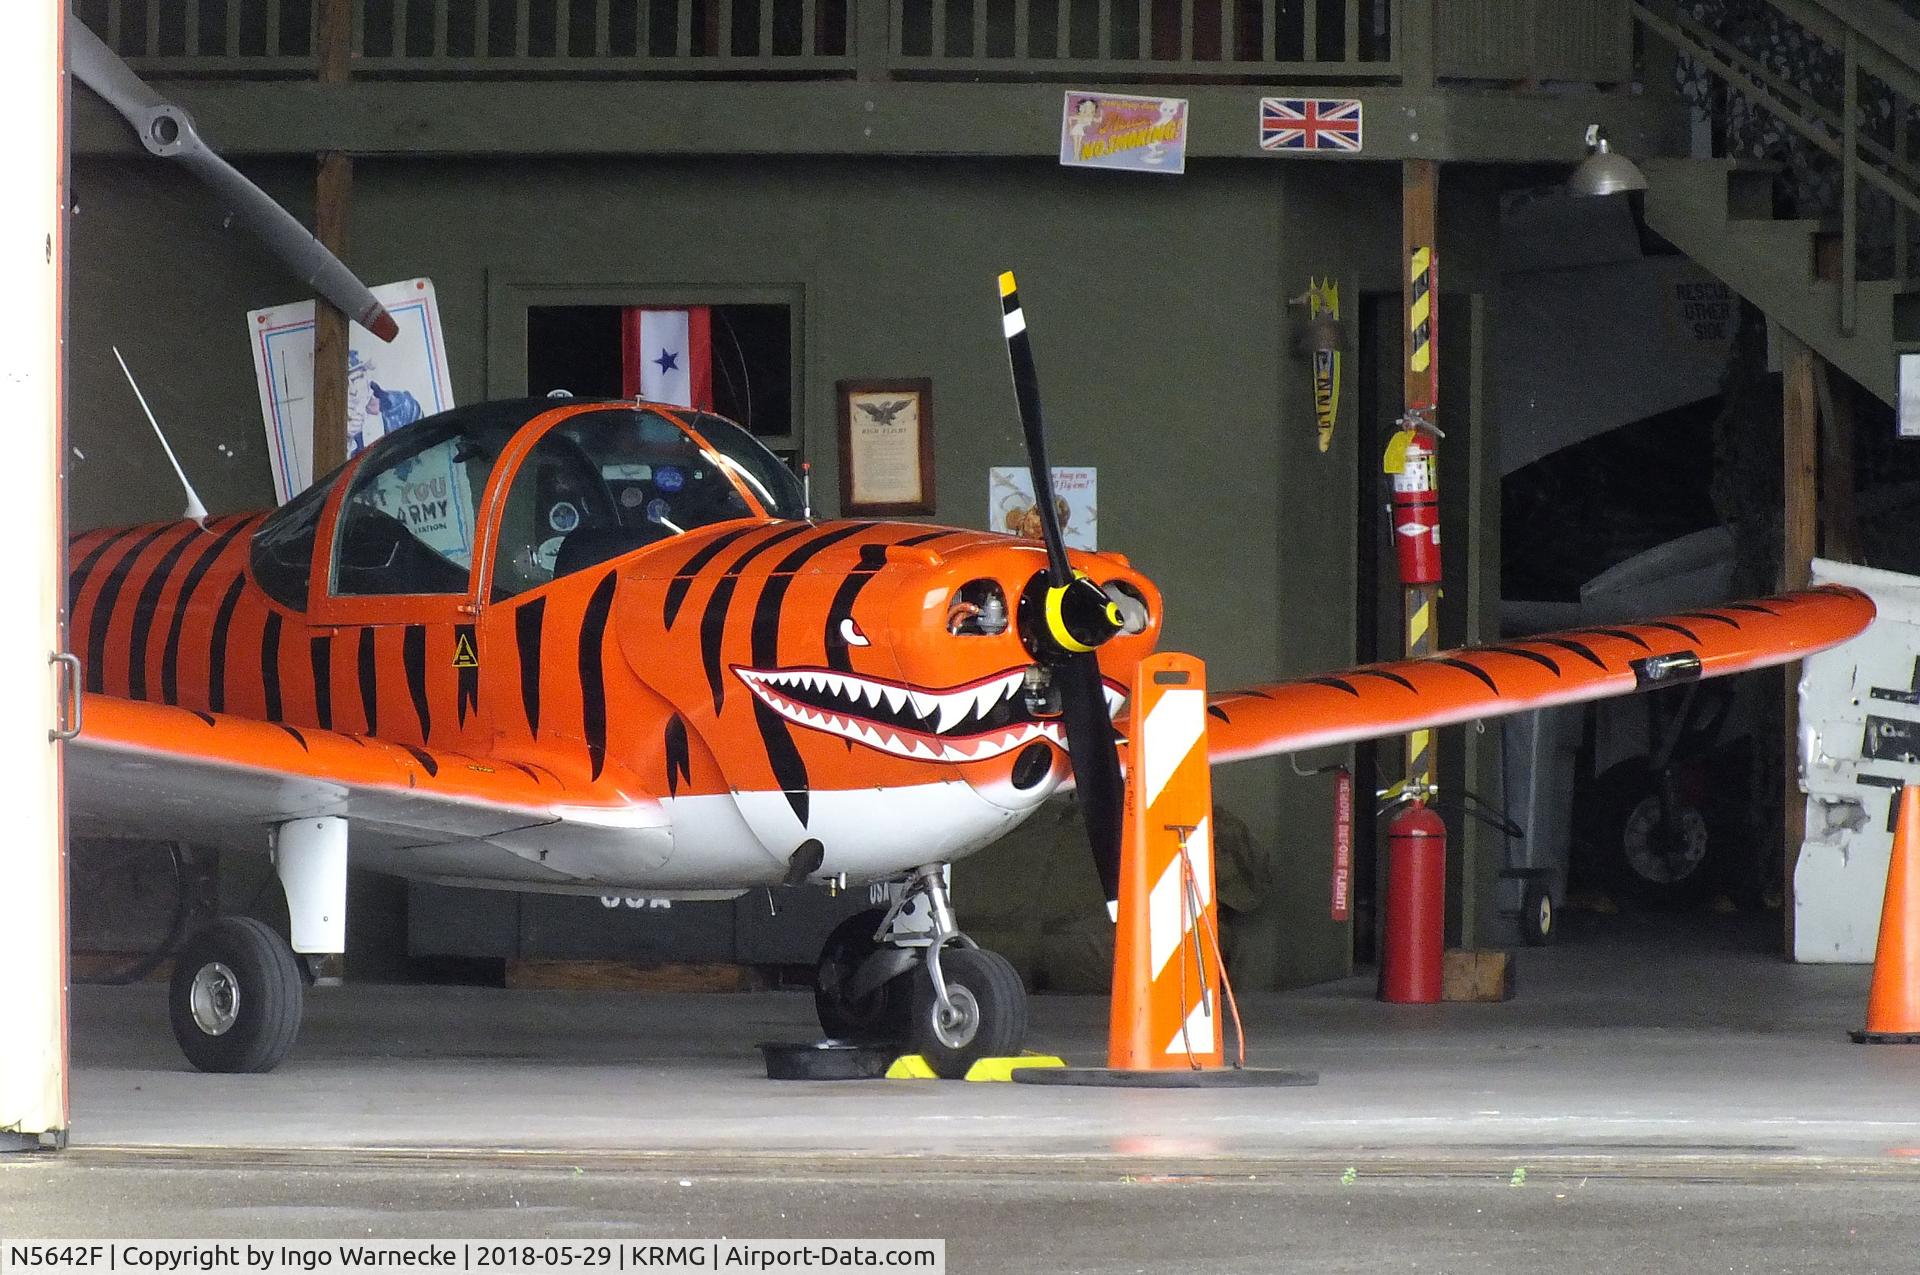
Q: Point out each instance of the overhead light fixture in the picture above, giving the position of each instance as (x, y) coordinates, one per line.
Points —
(1603, 172)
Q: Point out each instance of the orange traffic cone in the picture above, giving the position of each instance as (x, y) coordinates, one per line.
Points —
(1168, 975)
(1893, 1003)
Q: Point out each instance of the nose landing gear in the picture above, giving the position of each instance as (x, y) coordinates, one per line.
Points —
(908, 977)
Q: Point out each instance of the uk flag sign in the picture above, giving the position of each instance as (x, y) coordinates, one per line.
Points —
(1309, 124)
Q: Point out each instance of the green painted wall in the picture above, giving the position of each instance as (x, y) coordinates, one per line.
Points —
(1159, 319)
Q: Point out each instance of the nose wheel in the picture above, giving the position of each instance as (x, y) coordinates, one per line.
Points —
(908, 977)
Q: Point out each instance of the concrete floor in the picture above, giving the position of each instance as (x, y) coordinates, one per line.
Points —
(1669, 1090)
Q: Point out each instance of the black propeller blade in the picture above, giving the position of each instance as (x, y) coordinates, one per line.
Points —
(1065, 621)
(167, 131)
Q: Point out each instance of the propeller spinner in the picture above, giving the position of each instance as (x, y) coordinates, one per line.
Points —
(1064, 619)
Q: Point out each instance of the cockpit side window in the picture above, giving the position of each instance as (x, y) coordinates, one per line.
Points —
(407, 525)
(601, 484)
(283, 547)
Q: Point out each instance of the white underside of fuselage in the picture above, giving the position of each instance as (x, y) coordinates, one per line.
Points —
(725, 843)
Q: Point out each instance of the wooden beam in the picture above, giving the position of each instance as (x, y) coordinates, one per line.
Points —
(332, 198)
(1800, 447)
(1839, 516)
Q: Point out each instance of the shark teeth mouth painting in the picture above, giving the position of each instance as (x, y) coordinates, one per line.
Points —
(975, 722)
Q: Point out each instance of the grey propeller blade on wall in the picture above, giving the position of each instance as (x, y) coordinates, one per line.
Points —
(168, 131)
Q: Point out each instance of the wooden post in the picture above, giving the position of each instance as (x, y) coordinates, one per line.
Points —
(1839, 516)
(1420, 300)
(332, 198)
(1800, 443)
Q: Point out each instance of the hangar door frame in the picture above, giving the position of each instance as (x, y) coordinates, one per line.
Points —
(511, 296)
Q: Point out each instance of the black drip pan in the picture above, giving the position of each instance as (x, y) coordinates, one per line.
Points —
(827, 1060)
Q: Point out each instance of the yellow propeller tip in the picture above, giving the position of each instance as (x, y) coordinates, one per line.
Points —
(1007, 284)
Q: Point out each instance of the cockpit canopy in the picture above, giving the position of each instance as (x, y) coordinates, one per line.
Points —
(594, 484)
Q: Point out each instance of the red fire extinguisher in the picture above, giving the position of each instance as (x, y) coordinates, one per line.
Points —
(1416, 510)
(1411, 950)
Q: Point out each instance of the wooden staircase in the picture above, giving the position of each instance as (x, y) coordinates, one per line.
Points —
(1720, 213)
(1853, 303)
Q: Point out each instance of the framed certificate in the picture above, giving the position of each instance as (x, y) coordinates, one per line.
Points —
(886, 447)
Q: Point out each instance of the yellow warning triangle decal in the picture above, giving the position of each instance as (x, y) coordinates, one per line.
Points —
(463, 656)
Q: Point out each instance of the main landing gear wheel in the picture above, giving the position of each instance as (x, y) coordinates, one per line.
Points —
(1662, 852)
(985, 1015)
(878, 1017)
(235, 997)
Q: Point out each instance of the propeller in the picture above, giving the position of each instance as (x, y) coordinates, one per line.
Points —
(1064, 618)
(168, 131)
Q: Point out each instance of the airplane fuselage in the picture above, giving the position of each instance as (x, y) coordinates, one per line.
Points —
(770, 683)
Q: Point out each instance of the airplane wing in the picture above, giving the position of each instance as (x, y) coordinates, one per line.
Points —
(1542, 671)
(215, 779)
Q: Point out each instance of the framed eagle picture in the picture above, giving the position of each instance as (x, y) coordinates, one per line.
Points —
(886, 447)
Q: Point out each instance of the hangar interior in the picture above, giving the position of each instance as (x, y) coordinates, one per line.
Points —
(839, 183)
(1651, 401)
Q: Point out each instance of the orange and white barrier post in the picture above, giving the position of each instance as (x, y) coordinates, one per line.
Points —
(1166, 965)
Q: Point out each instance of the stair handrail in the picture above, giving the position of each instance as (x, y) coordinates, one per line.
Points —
(1874, 38)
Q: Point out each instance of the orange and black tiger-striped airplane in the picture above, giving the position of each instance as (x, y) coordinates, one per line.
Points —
(597, 647)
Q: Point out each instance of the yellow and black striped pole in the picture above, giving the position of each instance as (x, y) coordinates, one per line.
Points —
(1418, 528)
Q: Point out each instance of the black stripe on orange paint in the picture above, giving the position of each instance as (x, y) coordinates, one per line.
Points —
(528, 627)
(77, 578)
(776, 733)
(217, 646)
(1671, 627)
(683, 579)
(298, 738)
(593, 673)
(1385, 676)
(1623, 634)
(1580, 649)
(1336, 683)
(270, 664)
(1708, 615)
(924, 537)
(170, 660)
(320, 660)
(526, 770)
(713, 621)
(1465, 667)
(839, 651)
(1757, 608)
(679, 761)
(413, 656)
(425, 758)
(143, 612)
(1545, 662)
(203, 716)
(369, 682)
(766, 612)
(103, 605)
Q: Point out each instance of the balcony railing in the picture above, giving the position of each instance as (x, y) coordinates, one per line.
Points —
(1180, 39)
(1256, 41)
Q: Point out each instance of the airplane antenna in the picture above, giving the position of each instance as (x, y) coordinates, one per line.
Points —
(806, 490)
(195, 510)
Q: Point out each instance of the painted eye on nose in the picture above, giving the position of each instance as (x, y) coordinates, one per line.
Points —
(852, 634)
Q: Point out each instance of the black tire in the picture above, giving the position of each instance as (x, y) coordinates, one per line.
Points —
(878, 1018)
(1537, 915)
(1644, 859)
(984, 987)
(247, 987)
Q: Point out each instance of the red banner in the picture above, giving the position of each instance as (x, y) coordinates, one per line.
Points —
(1342, 842)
